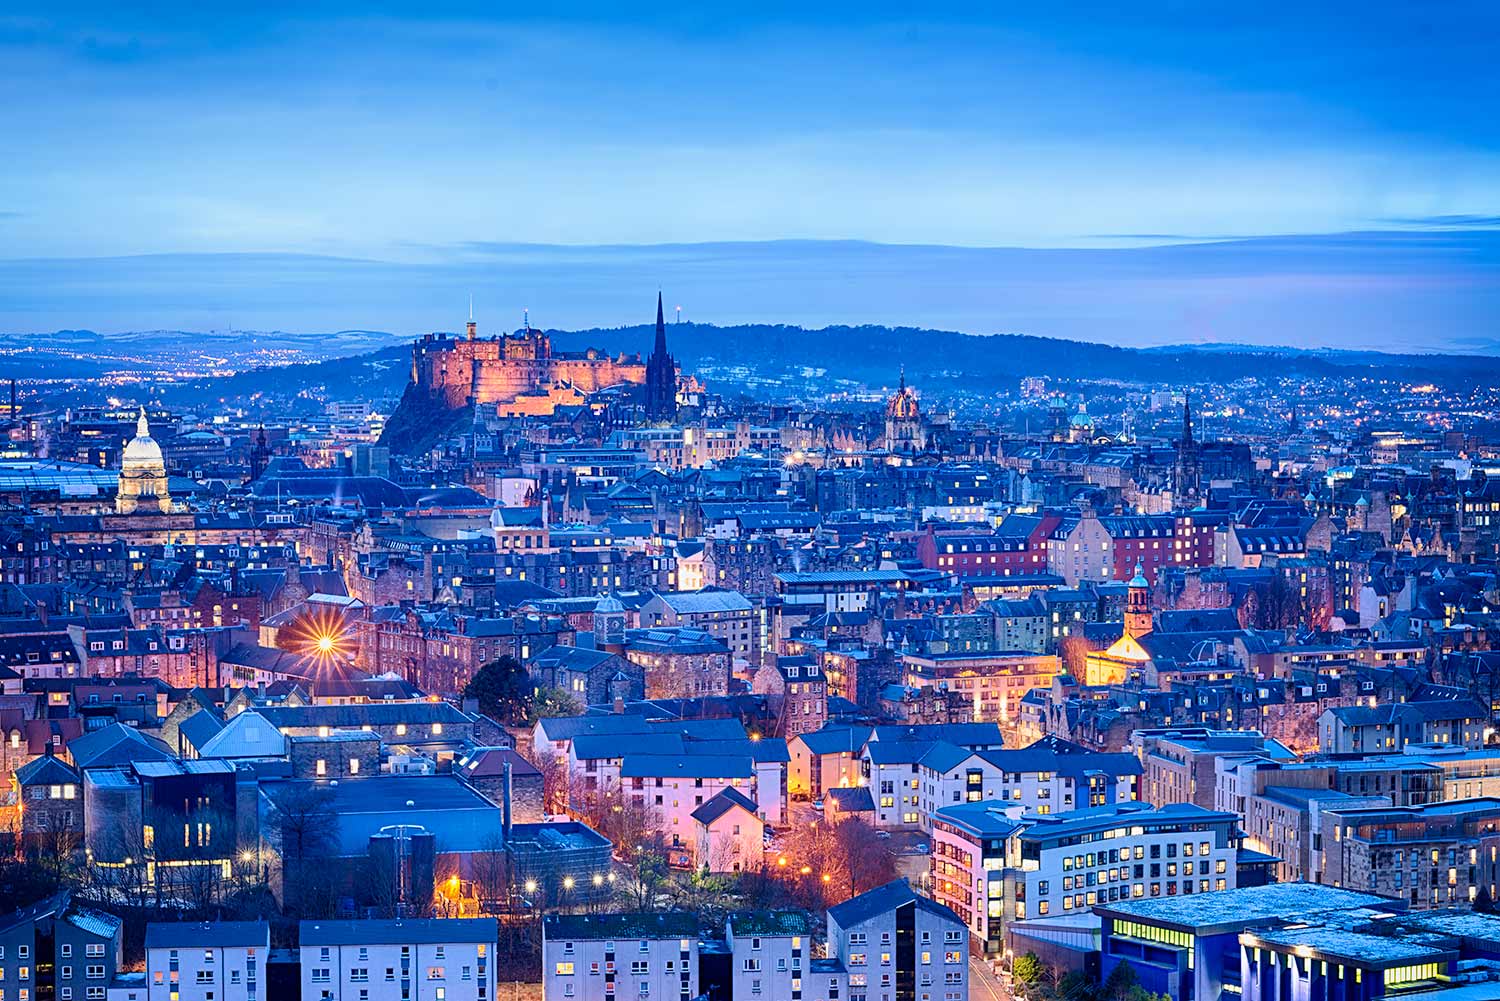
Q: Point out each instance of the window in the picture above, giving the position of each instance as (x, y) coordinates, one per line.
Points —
(564, 969)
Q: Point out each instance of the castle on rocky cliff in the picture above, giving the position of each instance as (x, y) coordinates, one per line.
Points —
(509, 368)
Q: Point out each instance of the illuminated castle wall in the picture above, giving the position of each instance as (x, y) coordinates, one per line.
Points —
(499, 369)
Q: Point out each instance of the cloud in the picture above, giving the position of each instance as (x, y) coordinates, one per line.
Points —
(1475, 221)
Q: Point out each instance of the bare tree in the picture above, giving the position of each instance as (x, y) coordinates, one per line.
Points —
(303, 833)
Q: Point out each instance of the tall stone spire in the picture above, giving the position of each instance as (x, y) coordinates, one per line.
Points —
(1187, 482)
(661, 373)
(660, 348)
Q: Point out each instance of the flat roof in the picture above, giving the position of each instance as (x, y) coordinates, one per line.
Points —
(1243, 906)
(1356, 948)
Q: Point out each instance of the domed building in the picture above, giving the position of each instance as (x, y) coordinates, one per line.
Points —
(905, 428)
(1081, 427)
(143, 474)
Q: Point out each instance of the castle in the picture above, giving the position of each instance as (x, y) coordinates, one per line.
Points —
(503, 369)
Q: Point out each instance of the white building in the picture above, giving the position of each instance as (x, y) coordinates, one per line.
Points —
(993, 867)
(646, 957)
(207, 960)
(425, 959)
(1050, 776)
(895, 943)
(770, 958)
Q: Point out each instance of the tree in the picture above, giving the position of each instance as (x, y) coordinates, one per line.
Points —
(1483, 902)
(1028, 970)
(304, 835)
(1119, 985)
(828, 863)
(550, 702)
(503, 690)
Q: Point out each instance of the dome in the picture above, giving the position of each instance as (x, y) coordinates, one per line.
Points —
(142, 450)
(608, 604)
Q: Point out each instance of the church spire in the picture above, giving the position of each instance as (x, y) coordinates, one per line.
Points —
(1187, 418)
(142, 429)
(903, 378)
(660, 348)
(661, 372)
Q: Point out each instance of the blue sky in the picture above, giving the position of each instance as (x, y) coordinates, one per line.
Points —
(421, 135)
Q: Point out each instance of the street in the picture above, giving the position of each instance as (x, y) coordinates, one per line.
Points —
(984, 985)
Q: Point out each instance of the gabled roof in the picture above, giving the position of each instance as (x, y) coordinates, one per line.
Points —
(117, 744)
(247, 735)
(45, 770)
(873, 903)
(721, 804)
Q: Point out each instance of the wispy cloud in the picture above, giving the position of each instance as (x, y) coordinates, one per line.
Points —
(1474, 221)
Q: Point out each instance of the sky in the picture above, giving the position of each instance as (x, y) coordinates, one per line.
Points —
(420, 138)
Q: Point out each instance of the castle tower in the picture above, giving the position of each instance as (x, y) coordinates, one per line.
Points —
(1138, 604)
(661, 374)
(143, 474)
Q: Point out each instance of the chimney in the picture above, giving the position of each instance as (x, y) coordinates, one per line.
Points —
(505, 806)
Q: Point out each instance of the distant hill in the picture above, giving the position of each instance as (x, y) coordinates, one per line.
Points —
(873, 354)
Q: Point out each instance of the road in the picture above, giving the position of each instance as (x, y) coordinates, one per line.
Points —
(984, 985)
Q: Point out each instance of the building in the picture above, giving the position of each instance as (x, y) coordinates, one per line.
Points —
(991, 684)
(1394, 726)
(1189, 947)
(993, 867)
(431, 959)
(1051, 775)
(501, 369)
(207, 961)
(56, 949)
(1427, 855)
(896, 944)
(905, 428)
(143, 474)
(661, 374)
(653, 957)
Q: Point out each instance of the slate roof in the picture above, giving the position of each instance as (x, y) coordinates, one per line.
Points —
(416, 931)
(878, 901)
(702, 766)
(199, 934)
(721, 804)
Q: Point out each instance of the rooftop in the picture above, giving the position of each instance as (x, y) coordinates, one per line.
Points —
(1245, 906)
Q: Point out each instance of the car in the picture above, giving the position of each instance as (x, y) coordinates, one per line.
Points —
(817, 804)
(883, 835)
(922, 848)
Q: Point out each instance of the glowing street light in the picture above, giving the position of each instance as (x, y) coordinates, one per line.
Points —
(531, 886)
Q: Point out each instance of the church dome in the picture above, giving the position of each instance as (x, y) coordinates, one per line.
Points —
(142, 450)
(608, 604)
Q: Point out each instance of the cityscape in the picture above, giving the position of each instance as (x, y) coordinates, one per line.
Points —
(677, 610)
